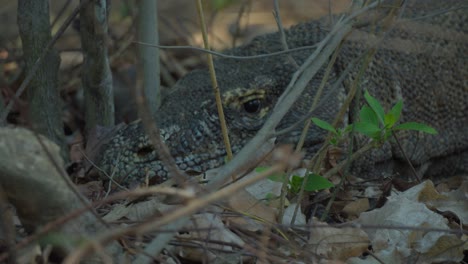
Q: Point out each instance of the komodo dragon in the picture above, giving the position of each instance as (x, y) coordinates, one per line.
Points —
(422, 59)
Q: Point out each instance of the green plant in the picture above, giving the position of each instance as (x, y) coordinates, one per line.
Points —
(375, 123)
(337, 134)
(314, 182)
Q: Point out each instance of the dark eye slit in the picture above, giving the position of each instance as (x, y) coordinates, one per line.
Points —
(252, 106)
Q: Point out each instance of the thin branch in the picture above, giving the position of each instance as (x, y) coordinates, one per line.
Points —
(284, 43)
(60, 12)
(413, 170)
(295, 88)
(226, 56)
(217, 93)
(189, 208)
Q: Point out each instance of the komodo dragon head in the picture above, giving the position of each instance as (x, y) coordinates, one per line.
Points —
(422, 61)
(188, 117)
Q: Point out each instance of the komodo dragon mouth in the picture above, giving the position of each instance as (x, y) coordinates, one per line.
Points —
(422, 61)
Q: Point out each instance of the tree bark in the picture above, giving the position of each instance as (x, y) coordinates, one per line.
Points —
(148, 57)
(96, 74)
(43, 93)
(39, 193)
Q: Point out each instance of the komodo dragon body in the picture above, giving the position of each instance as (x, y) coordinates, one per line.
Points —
(421, 59)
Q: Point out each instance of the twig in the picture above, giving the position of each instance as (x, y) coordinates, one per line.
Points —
(60, 13)
(192, 206)
(284, 43)
(226, 56)
(413, 170)
(152, 130)
(217, 93)
(295, 88)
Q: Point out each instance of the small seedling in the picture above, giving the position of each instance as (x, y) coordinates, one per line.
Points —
(314, 182)
(379, 126)
(338, 134)
(375, 123)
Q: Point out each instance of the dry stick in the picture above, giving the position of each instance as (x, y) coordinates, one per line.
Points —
(191, 207)
(320, 155)
(317, 97)
(8, 228)
(142, 192)
(321, 152)
(219, 104)
(263, 245)
(68, 182)
(336, 85)
(237, 24)
(196, 204)
(347, 163)
(227, 56)
(60, 13)
(38, 62)
(148, 65)
(284, 43)
(305, 130)
(153, 133)
(316, 160)
(413, 170)
(375, 256)
(299, 80)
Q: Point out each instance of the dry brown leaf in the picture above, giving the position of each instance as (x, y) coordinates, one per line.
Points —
(407, 209)
(288, 215)
(207, 227)
(244, 203)
(140, 211)
(355, 208)
(456, 202)
(338, 243)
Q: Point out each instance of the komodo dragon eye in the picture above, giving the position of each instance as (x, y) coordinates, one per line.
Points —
(252, 106)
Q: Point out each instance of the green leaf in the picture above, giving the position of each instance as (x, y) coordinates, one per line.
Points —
(396, 112)
(277, 177)
(220, 4)
(348, 128)
(416, 126)
(367, 115)
(316, 182)
(323, 125)
(376, 106)
(368, 129)
(389, 120)
(295, 184)
(392, 117)
(270, 196)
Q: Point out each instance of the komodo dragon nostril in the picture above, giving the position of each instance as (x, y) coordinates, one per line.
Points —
(142, 152)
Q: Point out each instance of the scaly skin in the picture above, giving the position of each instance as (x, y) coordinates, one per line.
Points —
(421, 61)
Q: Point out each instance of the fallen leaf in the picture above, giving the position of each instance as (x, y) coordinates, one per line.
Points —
(410, 223)
(355, 208)
(338, 243)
